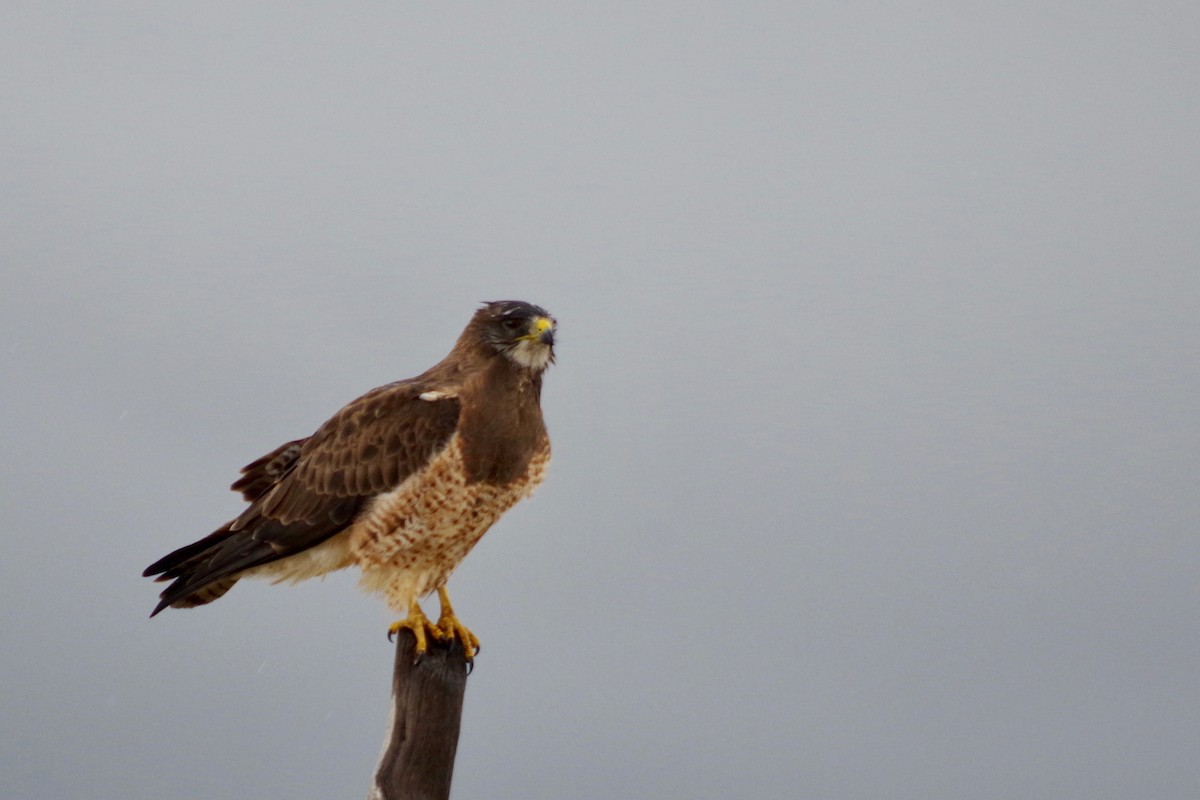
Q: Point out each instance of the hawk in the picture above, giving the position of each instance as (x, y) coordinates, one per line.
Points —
(402, 482)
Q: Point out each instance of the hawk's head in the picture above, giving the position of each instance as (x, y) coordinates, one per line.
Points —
(522, 332)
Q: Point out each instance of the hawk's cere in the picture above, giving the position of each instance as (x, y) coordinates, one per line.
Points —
(401, 482)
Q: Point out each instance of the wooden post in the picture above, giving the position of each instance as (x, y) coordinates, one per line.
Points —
(417, 761)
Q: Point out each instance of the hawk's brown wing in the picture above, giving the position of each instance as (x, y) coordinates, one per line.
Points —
(259, 476)
(307, 490)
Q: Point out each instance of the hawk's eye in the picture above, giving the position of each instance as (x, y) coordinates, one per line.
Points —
(513, 324)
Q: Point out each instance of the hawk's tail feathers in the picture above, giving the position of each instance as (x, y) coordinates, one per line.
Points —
(181, 567)
(206, 594)
(175, 563)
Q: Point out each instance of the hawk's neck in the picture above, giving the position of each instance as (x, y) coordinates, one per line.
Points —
(501, 425)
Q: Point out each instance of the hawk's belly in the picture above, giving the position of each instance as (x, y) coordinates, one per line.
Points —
(410, 540)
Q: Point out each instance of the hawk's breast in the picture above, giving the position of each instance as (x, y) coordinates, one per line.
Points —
(412, 538)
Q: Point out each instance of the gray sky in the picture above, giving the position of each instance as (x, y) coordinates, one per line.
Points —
(875, 416)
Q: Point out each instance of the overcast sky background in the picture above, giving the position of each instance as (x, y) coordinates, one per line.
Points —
(875, 417)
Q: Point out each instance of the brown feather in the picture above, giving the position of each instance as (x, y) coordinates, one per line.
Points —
(260, 475)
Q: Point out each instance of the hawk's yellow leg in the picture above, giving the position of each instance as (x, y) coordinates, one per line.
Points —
(450, 627)
(419, 624)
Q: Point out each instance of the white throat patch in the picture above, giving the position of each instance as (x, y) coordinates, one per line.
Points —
(530, 353)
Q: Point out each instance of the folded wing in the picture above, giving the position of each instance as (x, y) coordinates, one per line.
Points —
(308, 490)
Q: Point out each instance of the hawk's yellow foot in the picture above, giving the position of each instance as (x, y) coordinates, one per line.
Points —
(419, 624)
(449, 627)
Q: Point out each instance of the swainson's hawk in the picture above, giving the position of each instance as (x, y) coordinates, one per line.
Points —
(401, 482)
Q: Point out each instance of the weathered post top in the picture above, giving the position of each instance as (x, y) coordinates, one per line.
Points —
(417, 761)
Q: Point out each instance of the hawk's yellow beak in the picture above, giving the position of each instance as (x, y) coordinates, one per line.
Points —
(543, 328)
